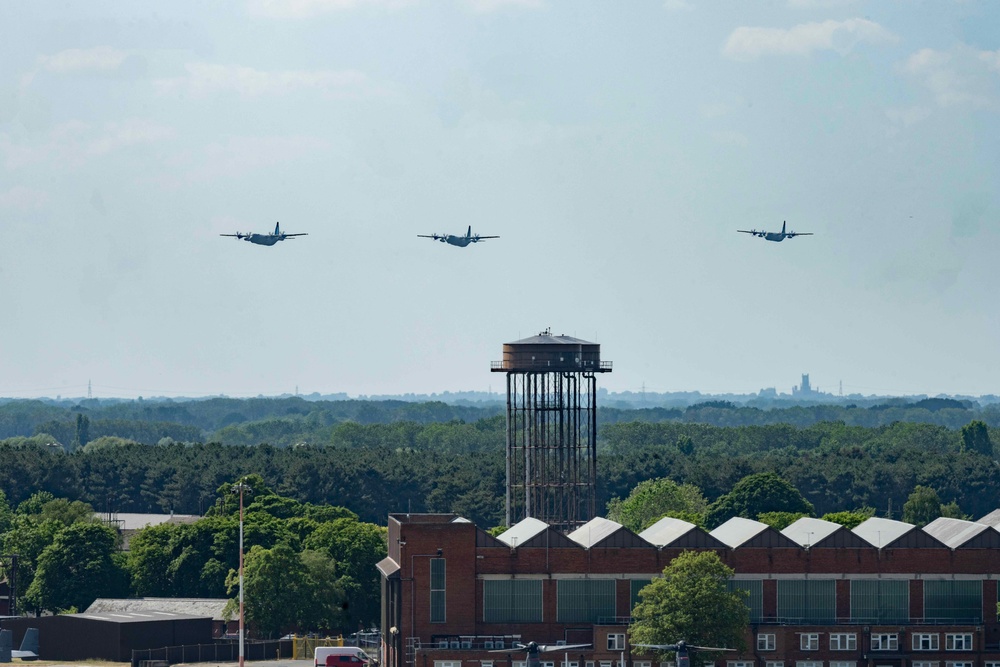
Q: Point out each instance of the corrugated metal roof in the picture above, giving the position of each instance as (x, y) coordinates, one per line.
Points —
(738, 530)
(954, 532)
(666, 531)
(136, 616)
(991, 519)
(808, 531)
(594, 531)
(522, 531)
(549, 339)
(880, 532)
(188, 606)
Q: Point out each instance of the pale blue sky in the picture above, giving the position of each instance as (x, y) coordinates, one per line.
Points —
(614, 147)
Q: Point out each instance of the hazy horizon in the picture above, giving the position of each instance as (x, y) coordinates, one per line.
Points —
(614, 149)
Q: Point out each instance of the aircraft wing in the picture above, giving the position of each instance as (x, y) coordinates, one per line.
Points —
(235, 236)
(436, 237)
(792, 235)
(300, 234)
(751, 231)
(483, 238)
(547, 648)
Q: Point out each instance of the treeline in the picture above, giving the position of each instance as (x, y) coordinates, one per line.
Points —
(308, 567)
(290, 421)
(375, 469)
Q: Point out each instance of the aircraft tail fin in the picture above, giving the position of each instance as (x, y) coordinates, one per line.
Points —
(468, 232)
(30, 642)
(6, 644)
(277, 228)
(783, 223)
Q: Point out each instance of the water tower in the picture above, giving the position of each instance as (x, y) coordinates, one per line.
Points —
(551, 428)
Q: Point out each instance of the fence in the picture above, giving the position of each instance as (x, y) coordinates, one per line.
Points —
(217, 652)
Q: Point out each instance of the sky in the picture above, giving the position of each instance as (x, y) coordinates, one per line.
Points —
(615, 148)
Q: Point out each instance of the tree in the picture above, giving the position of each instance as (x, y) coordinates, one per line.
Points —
(851, 519)
(975, 438)
(654, 499)
(755, 495)
(922, 507)
(77, 568)
(780, 520)
(692, 602)
(276, 590)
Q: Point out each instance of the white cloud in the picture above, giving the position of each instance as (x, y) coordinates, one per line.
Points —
(746, 43)
(99, 58)
(237, 156)
(23, 199)
(205, 78)
(961, 77)
(301, 9)
(75, 143)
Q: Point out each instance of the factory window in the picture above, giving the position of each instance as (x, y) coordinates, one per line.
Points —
(739, 663)
(958, 642)
(571, 663)
(880, 601)
(958, 664)
(755, 595)
(447, 663)
(642, 663)
(765, 642)
(605, 663)
(807, 601)
(924, 641)
(616, 641)
(438, 590)
(809, 641)
(584, 600)
(512, 601)
(486, 663)
(774, 663)
(926, 663)
(843, 663)
(960, 601)
(637, 585)
(885, 641)
(843, 642)
(808, 663)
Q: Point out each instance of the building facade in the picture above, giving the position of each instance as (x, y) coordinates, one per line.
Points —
(886, 594)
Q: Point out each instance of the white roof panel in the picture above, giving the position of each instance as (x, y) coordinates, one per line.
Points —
(594, 531)
(808, 531)
(666, 530)
(954, 532)
(738, 530)
(522, 531)
(880, 532)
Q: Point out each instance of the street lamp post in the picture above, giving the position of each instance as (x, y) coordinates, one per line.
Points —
(241, 487)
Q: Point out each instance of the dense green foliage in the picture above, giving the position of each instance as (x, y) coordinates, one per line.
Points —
(692, 602)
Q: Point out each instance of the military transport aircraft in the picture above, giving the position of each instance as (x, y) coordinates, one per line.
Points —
(532, 649)
(265, 239)
(29, 645)
(775, 236)
(682, 649)
(460, 241)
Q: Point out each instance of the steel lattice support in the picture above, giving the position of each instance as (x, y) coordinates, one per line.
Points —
(551, 447)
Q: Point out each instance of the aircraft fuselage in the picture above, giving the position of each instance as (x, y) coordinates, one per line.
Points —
(775, 236)
(460, 241)
(263, 239)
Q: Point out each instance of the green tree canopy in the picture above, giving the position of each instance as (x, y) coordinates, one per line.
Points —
(850, 519)
(976, 438)
(922, 507)
(77, 568)
(692, 602)
(654, 499)
(755, 495)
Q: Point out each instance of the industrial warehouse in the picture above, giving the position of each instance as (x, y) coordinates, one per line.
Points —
(886, 593)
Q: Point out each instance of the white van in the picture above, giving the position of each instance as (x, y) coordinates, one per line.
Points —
(339, 656)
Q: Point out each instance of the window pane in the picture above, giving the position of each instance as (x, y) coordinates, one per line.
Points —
(959, 601)
(880, 601)
(512, 601)
(584, 600)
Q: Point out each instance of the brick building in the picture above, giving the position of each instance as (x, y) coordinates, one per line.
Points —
(886, 594)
